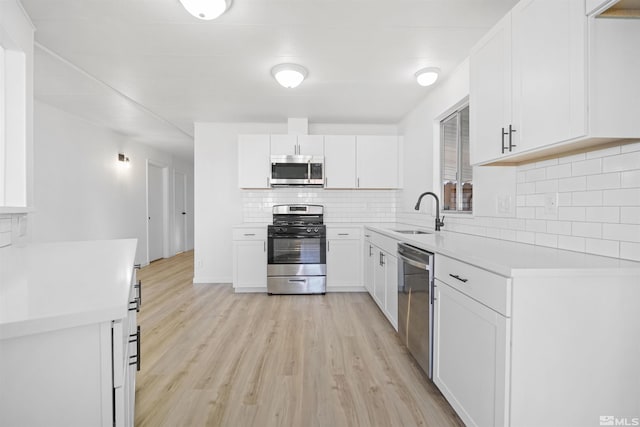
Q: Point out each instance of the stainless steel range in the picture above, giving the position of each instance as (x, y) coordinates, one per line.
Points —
(296, 252)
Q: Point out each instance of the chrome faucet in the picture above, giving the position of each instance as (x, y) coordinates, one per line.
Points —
(439, 222)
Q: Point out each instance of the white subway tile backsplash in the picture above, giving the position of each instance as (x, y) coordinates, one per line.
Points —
(526, 188)
(571, 243)
(571, 213)
(603, 181)
(521, 177)
(628, 148)
(534, 200)
(631, 179)
(559, 171)
(621, 232)
(536, 225)
(527, 213)
(586, 198)
(549, 240)
(626, 197)
(603, 214)
(586, 167)
(630, 215)
(525, 237)
(630, 250)
(559, 227)
(587, 229)
(604, 152)
(573, 184)
(602, 247)
(547, 186)
(536, 175)
(622, 162)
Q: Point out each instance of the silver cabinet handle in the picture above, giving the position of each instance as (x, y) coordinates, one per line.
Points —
(343, 234)
(328, 245)
(264, 246)
(370, 250)
(138, 286)
(358, 185)
(249, 234)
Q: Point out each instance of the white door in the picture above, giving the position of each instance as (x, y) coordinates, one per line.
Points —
(155, 202)
(180, 212)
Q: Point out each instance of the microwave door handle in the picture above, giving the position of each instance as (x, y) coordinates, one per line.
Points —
(308, 171)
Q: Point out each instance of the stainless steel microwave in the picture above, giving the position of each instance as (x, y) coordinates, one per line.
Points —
(297, 171)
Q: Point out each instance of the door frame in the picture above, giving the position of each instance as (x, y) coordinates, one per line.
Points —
(184, 204)
(165, 206)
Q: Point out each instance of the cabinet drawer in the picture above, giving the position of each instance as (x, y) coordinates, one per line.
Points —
(490, 289)
(385, 243)
(258, 233)
(343, 233)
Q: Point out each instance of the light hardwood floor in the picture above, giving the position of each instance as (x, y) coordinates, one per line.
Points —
(214, 358)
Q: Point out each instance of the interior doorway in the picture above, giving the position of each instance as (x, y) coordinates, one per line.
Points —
(180, 211)
(156, 219)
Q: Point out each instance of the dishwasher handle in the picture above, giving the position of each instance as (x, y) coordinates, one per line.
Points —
(418, 264)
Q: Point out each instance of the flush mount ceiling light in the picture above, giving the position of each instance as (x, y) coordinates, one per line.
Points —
(206, 9)
(289, 75)
(427, 76)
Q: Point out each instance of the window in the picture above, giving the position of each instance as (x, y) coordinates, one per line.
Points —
(456, 174)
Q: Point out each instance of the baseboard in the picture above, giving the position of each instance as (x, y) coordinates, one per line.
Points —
(212, 280)
(356, 288)
(251, 290)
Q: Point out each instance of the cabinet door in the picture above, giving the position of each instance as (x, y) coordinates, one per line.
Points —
(249, 264)
(340, 161)
(391, 288)
(549, 73)
(311, 145)
(377, 161)
(380, 279)
(284, 145)
(343, 263)
(254, 166)
(369, 266)
(470, 357)
(490, 92)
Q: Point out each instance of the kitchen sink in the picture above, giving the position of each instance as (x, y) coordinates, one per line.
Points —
(413, 231)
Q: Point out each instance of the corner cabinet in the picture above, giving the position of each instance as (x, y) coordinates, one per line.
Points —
(548, 79)
(250, 259)
(344, 260)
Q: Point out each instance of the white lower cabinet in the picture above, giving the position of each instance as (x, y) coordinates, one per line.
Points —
(470, 358)
(381, 273)
(77, 376)
(250, 259)
(344, 265)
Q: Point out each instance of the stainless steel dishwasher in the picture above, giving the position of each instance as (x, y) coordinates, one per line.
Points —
(415, 303)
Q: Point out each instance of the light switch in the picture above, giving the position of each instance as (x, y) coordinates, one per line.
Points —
(551, 204)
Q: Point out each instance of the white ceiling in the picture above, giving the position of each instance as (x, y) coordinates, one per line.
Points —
(149, 70)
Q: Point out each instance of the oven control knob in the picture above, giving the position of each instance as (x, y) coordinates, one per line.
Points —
(315, 230)
(308, 230)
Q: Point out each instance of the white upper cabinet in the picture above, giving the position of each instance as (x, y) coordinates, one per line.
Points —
(527, 80)
(490, 93)
(253, 161)
(548, 79)
(340, 161)
(377, 161)
(291, 145)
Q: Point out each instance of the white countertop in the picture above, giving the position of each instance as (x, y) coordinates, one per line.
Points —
(44, 287)
(510, 259)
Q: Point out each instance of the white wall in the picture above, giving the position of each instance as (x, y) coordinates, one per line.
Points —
(80, 191)
(220, 204)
